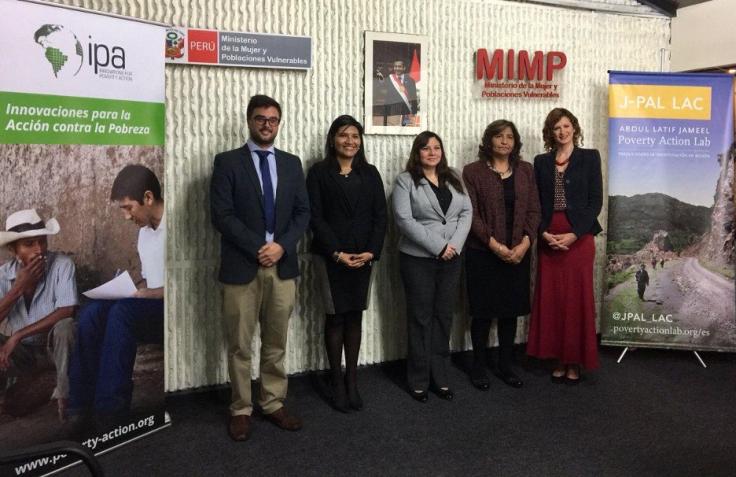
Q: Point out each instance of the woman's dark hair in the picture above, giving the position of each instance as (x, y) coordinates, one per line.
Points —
(340, 123)
(133, 181)
(553, 118)
(445, 175)
(485, 150)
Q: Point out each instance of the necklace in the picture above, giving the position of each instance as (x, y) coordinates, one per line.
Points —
(501, 174)
(563, 161)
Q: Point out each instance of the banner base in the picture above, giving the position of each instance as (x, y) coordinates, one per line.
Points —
(623, 353)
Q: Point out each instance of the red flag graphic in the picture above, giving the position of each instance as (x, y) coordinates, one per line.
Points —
(414, 70)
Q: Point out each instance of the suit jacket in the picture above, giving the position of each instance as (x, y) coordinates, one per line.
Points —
(485, 189)
(642, 278)
(338, 221)
(236, 207)
(425, 230)
(583, 189)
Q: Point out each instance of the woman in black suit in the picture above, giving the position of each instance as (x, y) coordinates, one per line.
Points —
(571, 195)
(348, 206)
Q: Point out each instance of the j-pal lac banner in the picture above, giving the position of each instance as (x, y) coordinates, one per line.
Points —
(81, 109)
(670, 270)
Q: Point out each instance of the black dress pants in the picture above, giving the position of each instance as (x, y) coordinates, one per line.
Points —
(431, 288)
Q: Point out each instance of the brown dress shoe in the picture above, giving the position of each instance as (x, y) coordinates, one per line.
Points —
(284, 420)
(239, 427)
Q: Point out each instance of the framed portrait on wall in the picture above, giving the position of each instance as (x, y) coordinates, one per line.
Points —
(395, 83)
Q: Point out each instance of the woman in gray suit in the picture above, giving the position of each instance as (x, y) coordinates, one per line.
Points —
(433, 215)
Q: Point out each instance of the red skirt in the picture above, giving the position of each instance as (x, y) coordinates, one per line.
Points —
(563, 313)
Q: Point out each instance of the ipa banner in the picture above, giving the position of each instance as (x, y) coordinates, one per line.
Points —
(81, 103)
(670, 270)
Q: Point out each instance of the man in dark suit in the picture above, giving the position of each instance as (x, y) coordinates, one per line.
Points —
(259, 203)
(400, 103)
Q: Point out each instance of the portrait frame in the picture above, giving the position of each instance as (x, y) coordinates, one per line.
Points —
(395, 103)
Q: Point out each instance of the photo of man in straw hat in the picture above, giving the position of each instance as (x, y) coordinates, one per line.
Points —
(38, 299)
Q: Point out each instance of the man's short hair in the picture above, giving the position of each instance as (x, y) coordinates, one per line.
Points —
(133, 181)
(261, 101)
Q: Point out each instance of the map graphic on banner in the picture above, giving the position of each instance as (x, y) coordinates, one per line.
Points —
(81, 102)
(670, 270)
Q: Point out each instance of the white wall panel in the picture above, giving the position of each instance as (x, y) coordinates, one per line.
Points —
(703, 36)
(205, 114)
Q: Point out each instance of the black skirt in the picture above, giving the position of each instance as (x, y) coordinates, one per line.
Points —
(496, 289)
(343, 289)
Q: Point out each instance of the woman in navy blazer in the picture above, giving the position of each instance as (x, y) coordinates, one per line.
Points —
(433, 214)
(571, 195)
(348, 207)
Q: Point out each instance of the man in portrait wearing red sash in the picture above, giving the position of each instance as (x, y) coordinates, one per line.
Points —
(400, 102)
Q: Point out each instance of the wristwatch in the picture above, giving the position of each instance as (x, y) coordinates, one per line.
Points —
(336, 256)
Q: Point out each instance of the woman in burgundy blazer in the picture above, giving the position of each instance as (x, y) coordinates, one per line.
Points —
(506, 216)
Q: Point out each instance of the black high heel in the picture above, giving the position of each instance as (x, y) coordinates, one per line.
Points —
(510, 379)
(573, 381)
(421, 396)
(479, 378)
(354, 399)
(444, 393)
(339, 399)
(561, 378)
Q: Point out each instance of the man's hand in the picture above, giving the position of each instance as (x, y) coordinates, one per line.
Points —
(6, 350)
(29, 275)
(151, 293)
(270, 254)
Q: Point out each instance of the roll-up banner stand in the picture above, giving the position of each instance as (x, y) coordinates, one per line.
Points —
(81, 98)
(670, 264)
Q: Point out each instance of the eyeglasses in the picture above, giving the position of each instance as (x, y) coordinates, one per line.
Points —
(261, 120)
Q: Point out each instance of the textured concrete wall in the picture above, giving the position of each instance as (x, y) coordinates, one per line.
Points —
(72, 183)
(205, 114)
